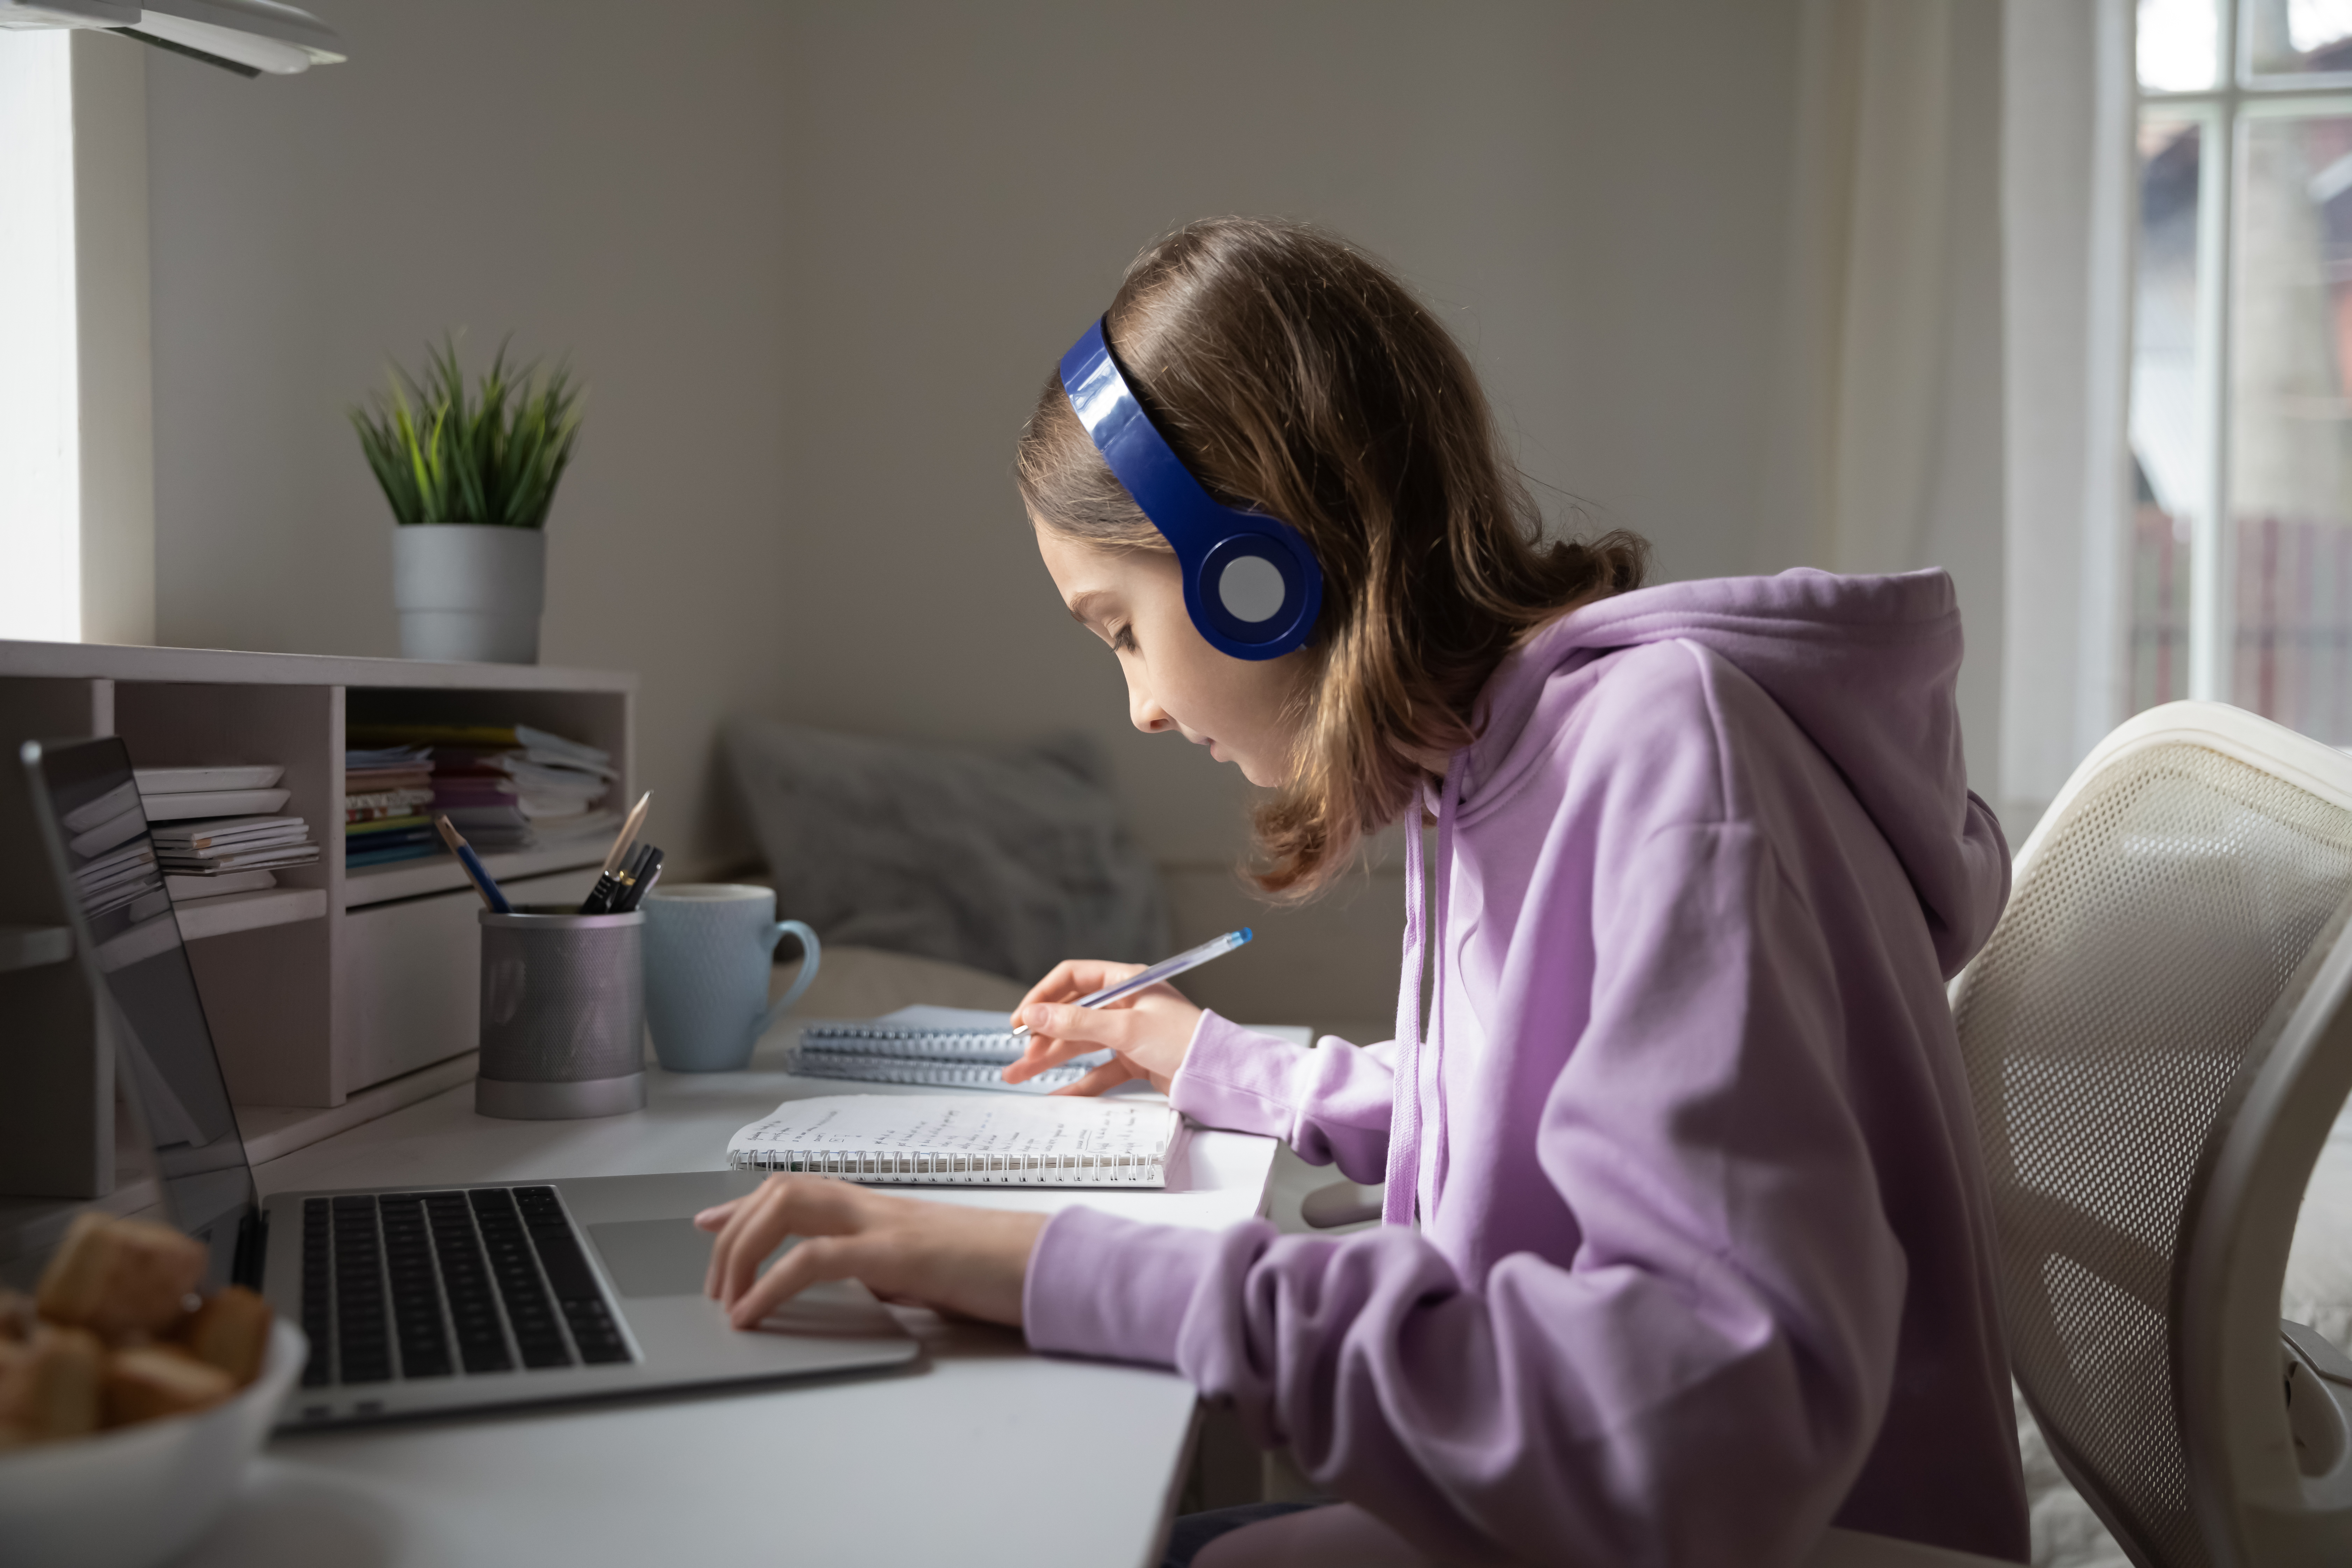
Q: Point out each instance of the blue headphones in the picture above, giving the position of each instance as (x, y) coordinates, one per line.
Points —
(1250, 582)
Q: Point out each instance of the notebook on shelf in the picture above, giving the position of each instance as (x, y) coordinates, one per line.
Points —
(504, 786)
(192, 781)
(390, 832)
(959, 1048)
(214, 827)
(214, 832)
(184, 885)
(213, 803)
(382, 805)
(963, 1140)
(234, 844)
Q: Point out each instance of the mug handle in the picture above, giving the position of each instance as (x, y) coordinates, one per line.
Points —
(810, 952)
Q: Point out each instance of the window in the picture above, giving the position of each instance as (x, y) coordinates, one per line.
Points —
(2241, 391)
(40, 449)
(77, 450)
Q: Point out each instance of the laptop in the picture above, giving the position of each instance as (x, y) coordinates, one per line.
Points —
(416, 1300)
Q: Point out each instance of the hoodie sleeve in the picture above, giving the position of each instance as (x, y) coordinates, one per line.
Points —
(1329, 1102)
(1700, 1384)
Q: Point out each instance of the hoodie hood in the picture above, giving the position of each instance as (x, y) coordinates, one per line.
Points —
(1868, 669)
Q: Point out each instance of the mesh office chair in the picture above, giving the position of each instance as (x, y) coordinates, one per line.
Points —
(2156, 1041)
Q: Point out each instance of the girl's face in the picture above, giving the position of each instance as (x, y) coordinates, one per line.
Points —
(1247, 712)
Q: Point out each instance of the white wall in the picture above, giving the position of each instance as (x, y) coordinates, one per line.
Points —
(817, 261)
(1589, 192)
(555, 170)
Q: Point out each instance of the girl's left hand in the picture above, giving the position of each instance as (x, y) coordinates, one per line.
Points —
(972, 1262)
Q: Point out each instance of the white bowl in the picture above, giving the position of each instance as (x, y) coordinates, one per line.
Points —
(140, 1494)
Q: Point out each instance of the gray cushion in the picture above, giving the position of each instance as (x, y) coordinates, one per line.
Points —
(1006, 860)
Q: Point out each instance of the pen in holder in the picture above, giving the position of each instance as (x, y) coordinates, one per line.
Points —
(563, 1014)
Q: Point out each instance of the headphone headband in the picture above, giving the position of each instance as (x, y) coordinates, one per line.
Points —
(1251, 584)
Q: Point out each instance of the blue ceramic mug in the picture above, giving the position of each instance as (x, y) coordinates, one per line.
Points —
(709, 949)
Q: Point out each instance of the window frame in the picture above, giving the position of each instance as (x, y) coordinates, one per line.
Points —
(2238, 95)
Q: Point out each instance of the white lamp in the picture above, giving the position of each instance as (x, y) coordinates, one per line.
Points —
(249, 36)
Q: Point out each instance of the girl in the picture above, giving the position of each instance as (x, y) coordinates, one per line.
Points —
(1685, 1254)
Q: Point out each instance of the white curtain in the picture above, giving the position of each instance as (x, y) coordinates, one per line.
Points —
(2068, 168)
(1886, 451)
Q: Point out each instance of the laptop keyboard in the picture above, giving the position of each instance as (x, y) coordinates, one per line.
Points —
(403, 1286)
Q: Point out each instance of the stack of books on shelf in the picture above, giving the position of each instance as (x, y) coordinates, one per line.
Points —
(506, 786)
(385, 793)
(215, 830)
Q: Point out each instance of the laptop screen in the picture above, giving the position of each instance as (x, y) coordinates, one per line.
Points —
(130, 943)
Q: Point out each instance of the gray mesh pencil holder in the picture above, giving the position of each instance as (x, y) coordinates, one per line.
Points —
(563, 1014)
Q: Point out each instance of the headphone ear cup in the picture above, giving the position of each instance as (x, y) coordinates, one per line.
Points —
(1252, 589)
(1255, 594)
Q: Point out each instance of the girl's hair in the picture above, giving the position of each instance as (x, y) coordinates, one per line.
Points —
(1292, 373)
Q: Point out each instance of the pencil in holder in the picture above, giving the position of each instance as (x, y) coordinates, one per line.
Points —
(563, 1014)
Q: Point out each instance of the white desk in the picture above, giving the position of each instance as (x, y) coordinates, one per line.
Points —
(981, 1453)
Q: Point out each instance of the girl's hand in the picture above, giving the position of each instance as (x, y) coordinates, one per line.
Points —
(1150, 1030)
(970, 1261)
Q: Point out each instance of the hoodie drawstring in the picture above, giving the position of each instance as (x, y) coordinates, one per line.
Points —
(1449, 806)
(1404, 1102)
(1400, 1198)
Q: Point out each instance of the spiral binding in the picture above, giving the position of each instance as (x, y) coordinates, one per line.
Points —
(907, 1069)
(863, 1042)
(999, 1045)
(898, 1166)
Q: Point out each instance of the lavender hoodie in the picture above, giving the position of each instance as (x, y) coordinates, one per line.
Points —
(1702, 1264)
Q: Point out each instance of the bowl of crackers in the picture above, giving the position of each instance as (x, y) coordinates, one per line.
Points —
(131, 1403)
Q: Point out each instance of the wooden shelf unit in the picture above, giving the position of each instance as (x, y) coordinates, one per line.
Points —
(336, 981)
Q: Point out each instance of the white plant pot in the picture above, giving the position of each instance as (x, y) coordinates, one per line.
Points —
(469, 592)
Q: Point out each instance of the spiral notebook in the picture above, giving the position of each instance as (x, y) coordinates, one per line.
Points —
(964, 1141)
(948, 1047)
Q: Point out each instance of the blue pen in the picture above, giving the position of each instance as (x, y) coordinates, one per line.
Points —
(483, 883)
(1166, 968)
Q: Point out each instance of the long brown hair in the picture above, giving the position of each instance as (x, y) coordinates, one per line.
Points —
(1292, 373)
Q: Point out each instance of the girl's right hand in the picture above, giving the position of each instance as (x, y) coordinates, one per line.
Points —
(1150, 1032)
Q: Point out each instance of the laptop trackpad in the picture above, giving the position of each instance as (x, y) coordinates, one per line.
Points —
(655, 1257)
(650, 1258)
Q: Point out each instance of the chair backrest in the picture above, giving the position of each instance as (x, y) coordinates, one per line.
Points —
(2171, 918)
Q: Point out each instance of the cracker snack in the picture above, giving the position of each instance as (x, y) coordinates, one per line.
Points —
(117, 1334)
(51, 1387)
(148, 1380)
(231, 1331)
(115, 1276)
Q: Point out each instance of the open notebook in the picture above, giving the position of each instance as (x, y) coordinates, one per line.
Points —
(964, 1141)
(960, 1047)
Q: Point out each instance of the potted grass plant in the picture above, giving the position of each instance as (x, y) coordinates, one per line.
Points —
(471, 477)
